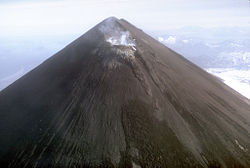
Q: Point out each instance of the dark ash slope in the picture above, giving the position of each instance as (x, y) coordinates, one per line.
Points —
(94, 104)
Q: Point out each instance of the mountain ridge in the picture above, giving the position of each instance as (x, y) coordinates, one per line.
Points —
(120, 98)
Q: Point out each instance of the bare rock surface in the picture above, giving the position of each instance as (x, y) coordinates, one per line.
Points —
(115, 97)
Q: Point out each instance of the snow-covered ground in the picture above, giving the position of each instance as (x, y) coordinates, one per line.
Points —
(222, 52)
(239, 80)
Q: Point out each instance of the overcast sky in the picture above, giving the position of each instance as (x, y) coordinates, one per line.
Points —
(25, 17)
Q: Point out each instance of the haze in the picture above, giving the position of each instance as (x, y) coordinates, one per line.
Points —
(75, 16)
(31, 31)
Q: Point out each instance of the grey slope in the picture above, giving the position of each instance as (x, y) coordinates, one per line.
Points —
(94, 104)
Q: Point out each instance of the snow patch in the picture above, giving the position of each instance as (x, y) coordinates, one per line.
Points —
(236, 57)
(240, 146)
(238, 80)
(212, 45)
(236, 45)
(245, 56)
(135, 165)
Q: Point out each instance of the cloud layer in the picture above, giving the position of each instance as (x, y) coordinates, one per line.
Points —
(74, 16)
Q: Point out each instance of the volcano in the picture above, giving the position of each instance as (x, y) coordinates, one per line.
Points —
(116, 97)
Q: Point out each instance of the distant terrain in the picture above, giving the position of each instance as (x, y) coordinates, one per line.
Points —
(223, 52)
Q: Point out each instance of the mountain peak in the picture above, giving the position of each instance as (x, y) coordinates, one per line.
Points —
(116, 97)
(111, 19)
(115, 33)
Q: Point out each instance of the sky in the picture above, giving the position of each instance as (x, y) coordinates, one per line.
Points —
(36, 17)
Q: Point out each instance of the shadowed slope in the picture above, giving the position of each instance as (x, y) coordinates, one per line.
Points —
(116, 97)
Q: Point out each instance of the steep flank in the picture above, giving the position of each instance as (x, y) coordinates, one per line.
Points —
(115, 97)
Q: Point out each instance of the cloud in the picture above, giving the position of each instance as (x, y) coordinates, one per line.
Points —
(75, 16)
(161, 39)
(171, 40)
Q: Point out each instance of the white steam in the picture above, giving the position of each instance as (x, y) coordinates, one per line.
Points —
(123, 39)
(115, 34)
